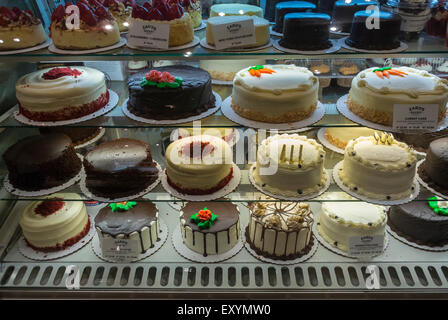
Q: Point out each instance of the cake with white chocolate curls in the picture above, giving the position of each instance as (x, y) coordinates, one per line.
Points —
(121, 10)
(97, 27)
(280, 230)
(379, 167)
(19, 29)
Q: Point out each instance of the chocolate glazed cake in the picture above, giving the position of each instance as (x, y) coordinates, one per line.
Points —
(283, 8)
(129, 220)
(42, 162)
(119, 168)
(384, 38)
(306, 31)
(418, 222)
(154, 99)
(344, 11)
(434, 170)
(219, 231)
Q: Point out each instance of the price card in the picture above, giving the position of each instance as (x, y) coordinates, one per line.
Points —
(366, 245)
(234, 34)
(149, 35)
(416, 116)
(121, 250)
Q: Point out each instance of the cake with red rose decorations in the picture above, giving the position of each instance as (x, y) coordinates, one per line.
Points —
(65, 93)
(97, 27)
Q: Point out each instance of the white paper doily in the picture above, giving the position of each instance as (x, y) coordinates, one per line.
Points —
(338, 251)
(229, 113)
(335, 46)
(339, 33)
(163, 234)
(413, 244)
(403, 46)
(191, 44)
(222, 82)
(207, 113)
(425, 184)
(90, 195)
(6, 115)
(54, 49)
(113, 100)
(204, 44)
(341, 105)
(202, 26)
(32, 254)
(326, 143)
(277, 196)
(346, 189)
(229, 187)
(24, 193)
(187, 253)
(93, 140)
(303, 258)
(38, 47)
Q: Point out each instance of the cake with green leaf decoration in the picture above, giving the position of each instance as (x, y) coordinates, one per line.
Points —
(210, 227)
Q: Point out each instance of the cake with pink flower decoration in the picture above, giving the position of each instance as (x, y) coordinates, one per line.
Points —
(172, 92)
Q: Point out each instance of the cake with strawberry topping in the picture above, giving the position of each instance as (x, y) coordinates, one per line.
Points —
(19, 29)
(172, 92)
(166, 12)
(97, 27)
(121, 10)
(55, 94)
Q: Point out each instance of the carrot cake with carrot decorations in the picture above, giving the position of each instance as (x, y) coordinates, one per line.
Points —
(375, 92)
(275, 93)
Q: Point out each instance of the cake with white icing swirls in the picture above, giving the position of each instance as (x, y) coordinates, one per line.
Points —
(55, 94)
(379, 167)
(375, 91)
(290, 165)
(280, 230)
(275, 93)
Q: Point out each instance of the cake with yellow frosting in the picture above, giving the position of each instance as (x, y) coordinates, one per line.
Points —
(379, 167)
(290, 165)
(55, 94)
(199, 164)
(235, 9)
(55, 224)
(97, 27)
(339, 136)
(375, 92)
(275, 93)
(261, 27)
(19, 29)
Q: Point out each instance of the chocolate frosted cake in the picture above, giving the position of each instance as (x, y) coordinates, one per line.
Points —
(283, 8)
(384, 38)
(119, 168)
(423, 221)
(343, 12)
(77, 135)
(129, 220)
(172, 92)
(41, 162)
(210, 227)
(314, 31)
(420, 141)
(434, 170)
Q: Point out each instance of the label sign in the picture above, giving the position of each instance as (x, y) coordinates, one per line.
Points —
(234, 34)
(149, 35)
(122, 250)
(416, 116)
(366, 245)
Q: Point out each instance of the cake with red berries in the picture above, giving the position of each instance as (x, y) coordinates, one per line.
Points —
(121, 10)
(55, 94)
(166, 12)
(97, 27)
(54, 224)
(172, 92)
(19, 29)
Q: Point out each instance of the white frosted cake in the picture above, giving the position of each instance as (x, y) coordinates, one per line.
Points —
(225, 70)
(341, 220)
(375, 91)
(280, 230)
(275, 93)
(290, 165)
(379, 167)
(340, 136)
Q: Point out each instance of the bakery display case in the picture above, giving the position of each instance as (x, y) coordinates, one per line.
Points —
(291, 165)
